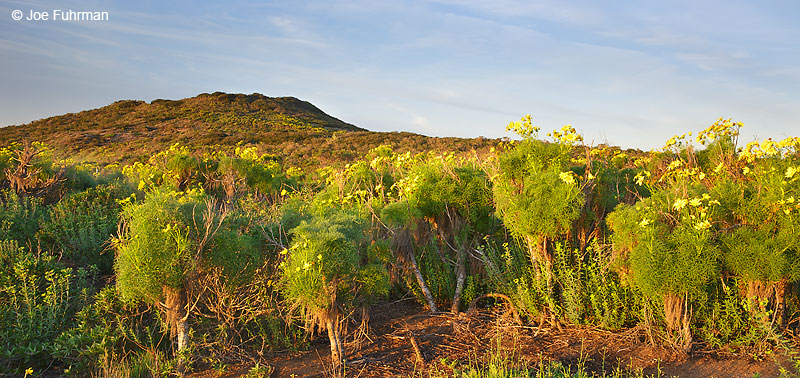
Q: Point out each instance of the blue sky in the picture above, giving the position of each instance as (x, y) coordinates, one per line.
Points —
(623, 72)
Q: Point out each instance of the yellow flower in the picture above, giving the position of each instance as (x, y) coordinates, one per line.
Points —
(679, 204)
(639, 178)
(283, 192)
(746, 170)
(787, 211)
(590, 176)
(769, 147)
(704, 225)
(790, 172)
(644, 222)
(675, 164)
(695, 202)
(718, 168)
(567, 177)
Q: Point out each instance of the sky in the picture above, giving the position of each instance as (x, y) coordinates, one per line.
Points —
(628, 73)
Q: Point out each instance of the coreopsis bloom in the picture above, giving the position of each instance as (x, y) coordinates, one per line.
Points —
(567, 177)
(704, 225)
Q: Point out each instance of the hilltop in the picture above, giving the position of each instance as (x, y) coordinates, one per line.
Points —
(293, 129)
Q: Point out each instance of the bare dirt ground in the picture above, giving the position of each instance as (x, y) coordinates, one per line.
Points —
(441, 339)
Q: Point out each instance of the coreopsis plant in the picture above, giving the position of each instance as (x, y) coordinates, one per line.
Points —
(326, 271)
(246, 171)
(535, 193)
(170, 240)
(763, 247)
(453, 199)
(669, 238)
(177, 168)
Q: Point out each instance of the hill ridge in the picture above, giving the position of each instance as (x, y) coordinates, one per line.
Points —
(290, 128)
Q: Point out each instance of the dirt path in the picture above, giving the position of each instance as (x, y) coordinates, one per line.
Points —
(444, 338)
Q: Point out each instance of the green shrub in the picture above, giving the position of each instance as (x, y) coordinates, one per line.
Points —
(20, 217)
(82, 224)
(104, 331)
(536, 194)
(172, 242)
(38, 297)
(325, 272)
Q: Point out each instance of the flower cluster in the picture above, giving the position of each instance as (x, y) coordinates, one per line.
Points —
(568, 177)
(641, 176)
(567, 135)
(723, 128)
(524, 127)
(695, 210)
(768, 148)
(677, 170)
(677, 141)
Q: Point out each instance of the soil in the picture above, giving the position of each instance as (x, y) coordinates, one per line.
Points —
(386, 350)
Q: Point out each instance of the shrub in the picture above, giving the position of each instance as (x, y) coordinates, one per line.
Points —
(324, 272)
(38, 297)
(173, 240)
(20, 217)
(82, 224)
(535, 193)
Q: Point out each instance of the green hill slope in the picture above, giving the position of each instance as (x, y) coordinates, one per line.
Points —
(296, 130)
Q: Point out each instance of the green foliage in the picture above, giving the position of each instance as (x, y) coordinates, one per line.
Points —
(38, 297)
(591, 292)
(20, 217)
(438, 275)
(765, 246)
(515, 277)
(172, 237)
(732, 321)
(533, 193)
(758, 256)
(157, 249)
(624, 221)
(81, 226)
(442, 185)
(323, 268)
(105, 328)
(677, 262)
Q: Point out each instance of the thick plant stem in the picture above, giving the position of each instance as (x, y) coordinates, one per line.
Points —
(337, 350)
(176, 302)
(768, 296)
(543, 269)
(533, 254)
(780, 301)
(422, 285)
(461, 277)
(678, 316)
(183, 343)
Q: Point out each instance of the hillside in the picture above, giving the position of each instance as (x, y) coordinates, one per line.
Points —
(296, 130)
